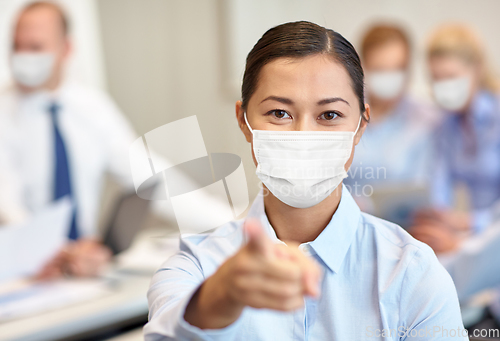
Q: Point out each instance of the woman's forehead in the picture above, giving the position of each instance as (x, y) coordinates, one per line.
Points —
(450, 64)
(313, 77)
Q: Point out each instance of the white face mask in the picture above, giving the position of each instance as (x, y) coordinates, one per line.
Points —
(452, 94)
(385, 85)
(32, 69)
(301, 168)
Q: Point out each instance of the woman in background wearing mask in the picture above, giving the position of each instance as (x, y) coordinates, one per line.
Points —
(341, 274)
(395, 148)
(467, 142)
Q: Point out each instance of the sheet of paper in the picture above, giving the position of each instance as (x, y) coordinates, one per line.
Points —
(25, 248)
(23, 298)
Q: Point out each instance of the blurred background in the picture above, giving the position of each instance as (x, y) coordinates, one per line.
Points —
(163, 60)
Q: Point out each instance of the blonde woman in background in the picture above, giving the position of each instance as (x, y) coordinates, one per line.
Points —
(467, 153)
(467, 149)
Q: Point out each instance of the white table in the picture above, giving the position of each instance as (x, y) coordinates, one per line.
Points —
(126, 304)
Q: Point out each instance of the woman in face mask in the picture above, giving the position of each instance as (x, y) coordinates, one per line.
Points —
(395, 116)
(468, 141)
(305, 264)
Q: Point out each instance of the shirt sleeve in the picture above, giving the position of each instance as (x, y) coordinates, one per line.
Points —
(429, 308)
(170, 292)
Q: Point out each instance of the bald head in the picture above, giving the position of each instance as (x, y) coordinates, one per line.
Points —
(42, 28)
(40, 23)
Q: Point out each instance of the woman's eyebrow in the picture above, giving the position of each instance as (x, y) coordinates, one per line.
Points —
(332, 100)
(283, 100)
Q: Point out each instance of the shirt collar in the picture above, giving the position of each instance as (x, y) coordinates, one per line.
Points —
(44, 97)
(334, 241)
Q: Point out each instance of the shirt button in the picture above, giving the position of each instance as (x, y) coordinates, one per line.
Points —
(305, 248)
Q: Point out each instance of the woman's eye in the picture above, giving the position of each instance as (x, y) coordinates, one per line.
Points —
(280, 114)
(330, 115)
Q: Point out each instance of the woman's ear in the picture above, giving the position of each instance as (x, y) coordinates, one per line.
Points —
(241, 121)
(364, 123)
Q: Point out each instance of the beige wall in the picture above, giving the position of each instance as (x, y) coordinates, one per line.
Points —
(166, 59)
(164, 62)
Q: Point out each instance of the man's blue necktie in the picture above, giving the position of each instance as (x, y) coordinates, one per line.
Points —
(62, 179)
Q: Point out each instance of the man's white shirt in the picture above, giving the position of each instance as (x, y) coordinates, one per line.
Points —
(97, 138)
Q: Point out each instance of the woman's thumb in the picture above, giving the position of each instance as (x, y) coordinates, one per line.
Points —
(257, 240)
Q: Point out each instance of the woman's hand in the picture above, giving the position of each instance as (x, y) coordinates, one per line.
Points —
(260, 275)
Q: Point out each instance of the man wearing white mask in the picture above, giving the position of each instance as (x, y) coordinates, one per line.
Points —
(57, 138)
(380, 161)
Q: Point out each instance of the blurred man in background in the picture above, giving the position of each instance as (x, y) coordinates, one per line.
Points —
(57, 139)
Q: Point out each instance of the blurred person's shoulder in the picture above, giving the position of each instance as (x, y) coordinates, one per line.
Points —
(92, 106)
(8, 91)
(83, 95)
(9, 98)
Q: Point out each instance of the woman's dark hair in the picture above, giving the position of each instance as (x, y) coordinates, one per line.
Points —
(302, 39)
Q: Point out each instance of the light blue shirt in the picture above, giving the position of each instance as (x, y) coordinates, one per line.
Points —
(377, 279)
(468, 152)
(396, 149)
